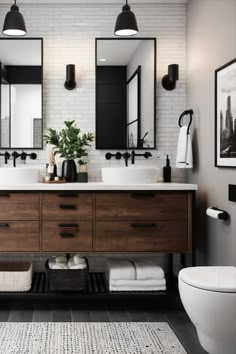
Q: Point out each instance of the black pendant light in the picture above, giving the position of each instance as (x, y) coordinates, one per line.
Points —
(14, 24)
(126, 24)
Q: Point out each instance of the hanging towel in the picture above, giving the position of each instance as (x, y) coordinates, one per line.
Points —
(148, 269)
(120, 269)
(184, 155)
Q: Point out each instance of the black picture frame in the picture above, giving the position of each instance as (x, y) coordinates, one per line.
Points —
(225, 115)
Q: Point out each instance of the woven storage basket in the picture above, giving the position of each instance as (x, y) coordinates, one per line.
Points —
(15, 276)
(67, 279)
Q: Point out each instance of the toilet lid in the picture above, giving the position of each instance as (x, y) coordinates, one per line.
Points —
(221, 279)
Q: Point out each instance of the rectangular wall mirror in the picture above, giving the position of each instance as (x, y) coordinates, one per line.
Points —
(21, 93)
(125, 93)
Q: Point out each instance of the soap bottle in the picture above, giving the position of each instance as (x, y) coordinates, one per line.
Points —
(51, 166)
(167, 170)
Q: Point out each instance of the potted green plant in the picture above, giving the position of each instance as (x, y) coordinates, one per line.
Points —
(69, 143)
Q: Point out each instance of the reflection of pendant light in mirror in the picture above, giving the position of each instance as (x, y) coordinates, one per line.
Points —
(126, 24)
(14, 24)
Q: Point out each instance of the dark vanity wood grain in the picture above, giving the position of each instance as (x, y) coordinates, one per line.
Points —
(142, 236)
(19, 236)
(67, 206)
(19, 211)
(142, 206)
(22, 198)
(67, 237)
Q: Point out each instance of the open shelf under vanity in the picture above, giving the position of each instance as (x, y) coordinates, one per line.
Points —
(97, 287)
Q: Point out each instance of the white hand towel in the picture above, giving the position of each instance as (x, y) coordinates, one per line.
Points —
(148, 269)
(73, 265)
(184, 155)
(60, 266)
(51, 263)
(137, 285)
(61, 259)
(78, 259)
(120, 269)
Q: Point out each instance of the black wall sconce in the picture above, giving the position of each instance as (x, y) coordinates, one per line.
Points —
(169, 80)
(70, 82)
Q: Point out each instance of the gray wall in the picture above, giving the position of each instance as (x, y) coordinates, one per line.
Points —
(211, 42)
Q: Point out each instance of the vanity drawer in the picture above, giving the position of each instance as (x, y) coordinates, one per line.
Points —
(142, 206)
(19, 211)
(21, 198)
(18, 236)
(67, 206)
(142, 236)
(64, 236)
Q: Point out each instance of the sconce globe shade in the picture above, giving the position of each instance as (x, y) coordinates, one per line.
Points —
(126, 24)
(14, 24)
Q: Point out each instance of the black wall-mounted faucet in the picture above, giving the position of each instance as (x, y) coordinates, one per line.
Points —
(23, 156)
(126, 156)
(6, 156)
(133, 155)
(118, 156)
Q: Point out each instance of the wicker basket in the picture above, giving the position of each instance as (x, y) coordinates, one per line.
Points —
(15, 276)
(67, 279)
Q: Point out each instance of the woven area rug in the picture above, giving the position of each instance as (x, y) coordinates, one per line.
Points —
(88, 338)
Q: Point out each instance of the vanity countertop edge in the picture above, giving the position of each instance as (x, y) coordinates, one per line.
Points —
(99, 186)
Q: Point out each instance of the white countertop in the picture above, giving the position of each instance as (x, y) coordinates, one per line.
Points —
(98, 186)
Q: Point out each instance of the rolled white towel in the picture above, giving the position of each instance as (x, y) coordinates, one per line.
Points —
(78, 259)
(148, 269)
(137, 285)
(61, 259)
(72, 264)
(60, 266)
(51, 262)
(78, 266)
(120, 269)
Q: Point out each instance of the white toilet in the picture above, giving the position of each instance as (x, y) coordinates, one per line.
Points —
(209, 298)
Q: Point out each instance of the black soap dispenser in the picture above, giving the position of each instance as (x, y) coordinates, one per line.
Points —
(167, 170)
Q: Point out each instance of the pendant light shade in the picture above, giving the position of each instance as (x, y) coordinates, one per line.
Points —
(126, 24)
(14, 24)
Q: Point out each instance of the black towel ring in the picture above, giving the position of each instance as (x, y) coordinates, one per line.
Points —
(190, 112)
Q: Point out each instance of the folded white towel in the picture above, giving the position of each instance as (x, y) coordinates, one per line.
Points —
(60, 266)
(73, 265)
(61, 259)
(120, 269)
(77, 258)
(137, 285)
(148, 269)
(184, 155)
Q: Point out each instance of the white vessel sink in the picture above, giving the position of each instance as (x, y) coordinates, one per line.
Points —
(130, 175)
(18, 175)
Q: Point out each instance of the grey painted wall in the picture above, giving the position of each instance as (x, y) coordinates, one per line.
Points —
(211, 42)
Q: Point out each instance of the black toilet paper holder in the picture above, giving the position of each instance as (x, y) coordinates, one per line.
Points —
(224, 215)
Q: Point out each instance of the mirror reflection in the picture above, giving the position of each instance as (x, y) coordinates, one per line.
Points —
(21, 93)
(125, 93)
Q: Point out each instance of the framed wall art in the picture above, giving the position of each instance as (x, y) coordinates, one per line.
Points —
(225, 115)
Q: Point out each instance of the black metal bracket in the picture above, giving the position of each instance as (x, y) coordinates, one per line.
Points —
(190, 112)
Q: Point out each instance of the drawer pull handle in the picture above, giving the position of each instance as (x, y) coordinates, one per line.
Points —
(142, 195)
(67, 235)
(68, 195)
(143, 225)
(67, 207)
(2, 194)
(68, 225)
(2, 225)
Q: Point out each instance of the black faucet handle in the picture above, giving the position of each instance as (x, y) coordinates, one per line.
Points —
(108, 156)
(23, 156)
(33, 156)
(147, 154)
(7, 156)
(118, 155)
(15, 154)
(126, 155)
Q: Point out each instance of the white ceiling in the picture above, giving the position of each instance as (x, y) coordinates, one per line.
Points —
(93, 2)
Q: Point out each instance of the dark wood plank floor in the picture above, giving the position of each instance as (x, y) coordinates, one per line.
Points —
(111, 310)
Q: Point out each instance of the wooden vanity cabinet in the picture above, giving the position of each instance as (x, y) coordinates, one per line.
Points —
(19, 222)
(122, 221)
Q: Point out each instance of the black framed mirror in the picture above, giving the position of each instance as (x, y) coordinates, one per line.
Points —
(125, 93)
(21, 93)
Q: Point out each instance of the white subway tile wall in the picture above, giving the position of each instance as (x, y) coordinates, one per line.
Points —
(69, 34)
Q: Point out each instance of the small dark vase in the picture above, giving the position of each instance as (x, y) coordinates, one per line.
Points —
(69, 171)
